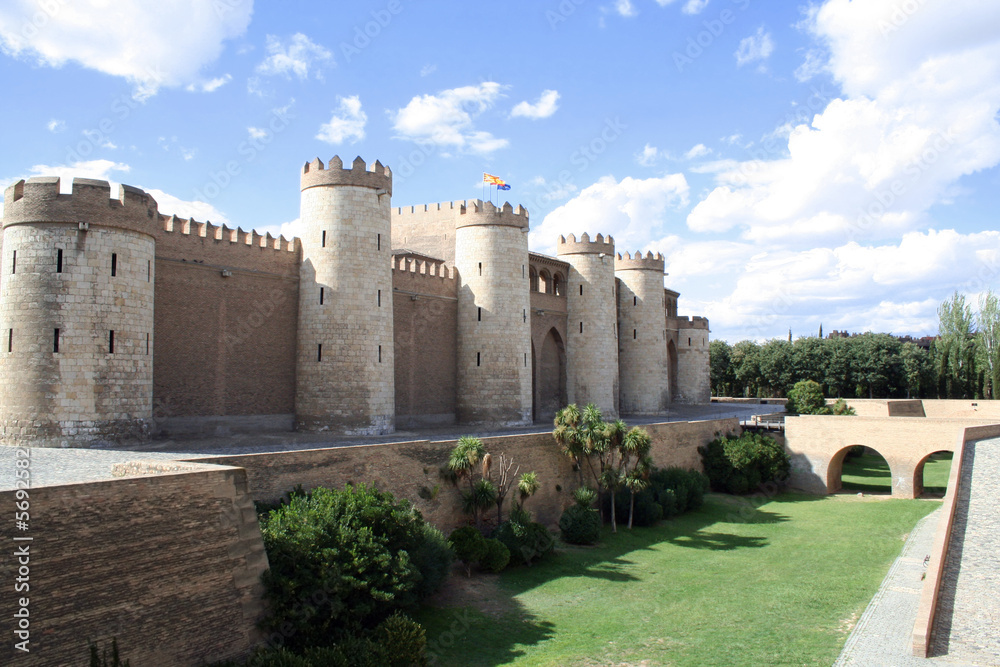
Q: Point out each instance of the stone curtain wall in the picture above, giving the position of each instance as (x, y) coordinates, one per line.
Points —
(411, 469)
(168, 564)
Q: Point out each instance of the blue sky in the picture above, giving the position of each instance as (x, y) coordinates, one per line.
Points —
(829, 162)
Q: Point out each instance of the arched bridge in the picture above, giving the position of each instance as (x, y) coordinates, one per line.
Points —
(818, 445)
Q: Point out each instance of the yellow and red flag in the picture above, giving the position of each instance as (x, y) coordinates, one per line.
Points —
(493, 180)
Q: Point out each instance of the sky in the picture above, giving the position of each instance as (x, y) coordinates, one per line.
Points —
(798, 164)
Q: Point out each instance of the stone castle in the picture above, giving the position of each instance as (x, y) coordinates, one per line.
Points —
(121, 323)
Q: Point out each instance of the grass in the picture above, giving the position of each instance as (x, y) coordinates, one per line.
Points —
(781, 584)
(870, 473)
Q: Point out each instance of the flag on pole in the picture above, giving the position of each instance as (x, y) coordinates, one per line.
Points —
(493, 180)
(503, 187)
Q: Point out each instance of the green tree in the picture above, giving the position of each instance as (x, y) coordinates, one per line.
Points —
(988, 340)
(462, 465)
(745, 359)
(956, 338)
(723, 379)
(839, 377)
(878, 367)
(806, 398)
(776, 369)
(809, 359)
(917, 370)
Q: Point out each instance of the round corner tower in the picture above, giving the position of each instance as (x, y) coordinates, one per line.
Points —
(344, 369)
(592, 319)
(642, 343)
(76, 311)
(494, 330)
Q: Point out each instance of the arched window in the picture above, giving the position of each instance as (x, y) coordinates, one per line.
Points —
(532, 279)
(557, 284)
(544, 281)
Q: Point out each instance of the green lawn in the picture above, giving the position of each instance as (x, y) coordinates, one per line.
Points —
(727, 585)
(870, 473)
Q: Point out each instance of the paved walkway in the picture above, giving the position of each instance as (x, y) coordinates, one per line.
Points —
(52, 466)
(967, 625)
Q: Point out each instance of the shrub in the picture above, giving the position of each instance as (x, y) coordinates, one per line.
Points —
(806, 398)
(739, 465)
(580, 525)
(526, 541)
(469, 546)
(281, 657)
(403, 641)
(434, 559)
(841, 408)
(340, 562)
(495, 556)
(668, 502)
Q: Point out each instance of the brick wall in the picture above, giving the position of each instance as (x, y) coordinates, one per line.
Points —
(223, 345)
(425, 325)
(168, 564)
(411, 469)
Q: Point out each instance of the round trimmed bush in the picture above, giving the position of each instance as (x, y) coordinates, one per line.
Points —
(580, 525)
(495, 556)
(403, 641)
(469, 545)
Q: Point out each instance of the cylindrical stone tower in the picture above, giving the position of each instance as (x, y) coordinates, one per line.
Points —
(344, 369)
(76, 307)
(494, 330)
(642, 344)
(592, 317)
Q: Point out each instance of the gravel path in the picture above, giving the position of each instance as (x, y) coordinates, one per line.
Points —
(967, 624)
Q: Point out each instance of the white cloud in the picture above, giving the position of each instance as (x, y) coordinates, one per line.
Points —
(625, 8)
(55, 126)
(634, 211)
(647, 156)
(758, 46)
(427, 70)
(150, 44)
(447, 119)
(201, 211)
(211, 85)
(696, 151)
(296, 57)
(694, 6)
(814, 63)
(256, 132)
(347, 122)
(545, 106)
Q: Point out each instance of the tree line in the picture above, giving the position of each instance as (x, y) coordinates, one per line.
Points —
(963, 361)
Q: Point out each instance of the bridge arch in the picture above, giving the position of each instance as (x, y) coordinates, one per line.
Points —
(835, 469)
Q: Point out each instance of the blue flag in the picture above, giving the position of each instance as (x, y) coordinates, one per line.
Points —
(503, 187)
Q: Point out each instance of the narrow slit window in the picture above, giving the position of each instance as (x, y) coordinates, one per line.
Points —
(149, 270)
(581, 327)
(379, 298)
(380, 354)
(635, 301)
(10, 340)
(480, 268)
(525, 359)
(581, 290)
(321, 296)
(522, 270)
(479, 314)
(147, 343)
(111, 342)
(55, 342)
(13, 263)
(59, 260)
(524, 315)
(378, 242)
(479, 358)
(689, 342)
(322, 242)
(634, 334)
(114, 264)
(319, 352)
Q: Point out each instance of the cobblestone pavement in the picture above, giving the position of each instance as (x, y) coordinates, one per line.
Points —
(967, 625)
(883, 634)
(52, 466)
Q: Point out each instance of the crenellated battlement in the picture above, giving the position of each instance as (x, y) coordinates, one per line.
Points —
(171, 224)
(599, 245)
(650, 262)
(377, 176)
(478, 212)
(681, 323)
(429, 268)
(38, 200)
